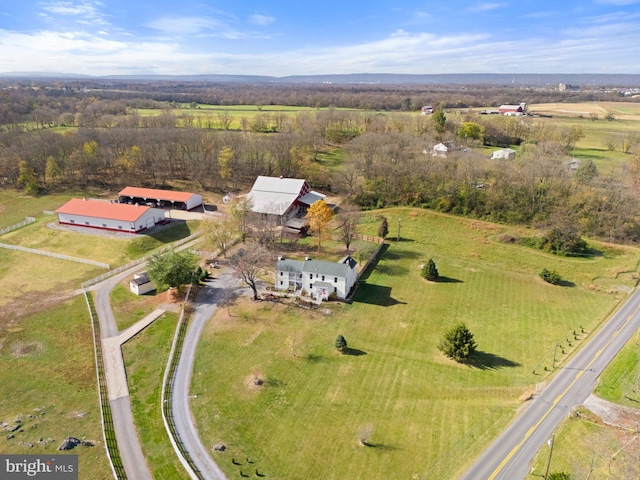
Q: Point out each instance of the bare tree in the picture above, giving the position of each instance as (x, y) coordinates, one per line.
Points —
(347, 221)
(247, 264)
(219, 234)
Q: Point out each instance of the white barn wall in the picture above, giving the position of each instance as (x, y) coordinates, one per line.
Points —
(147, 220)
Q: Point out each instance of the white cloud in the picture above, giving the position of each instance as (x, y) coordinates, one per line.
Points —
(88, 12)
(261, 20)
(485, 7)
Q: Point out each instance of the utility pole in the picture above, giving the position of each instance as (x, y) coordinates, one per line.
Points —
(550, 442)
(398, 238)
(554, 356)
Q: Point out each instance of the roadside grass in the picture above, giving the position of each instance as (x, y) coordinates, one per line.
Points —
(145, 360)
(128, 307)
(49, 383)
(620, 382)
(424, 416)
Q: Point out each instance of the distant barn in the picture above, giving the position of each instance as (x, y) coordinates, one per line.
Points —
(513, 110)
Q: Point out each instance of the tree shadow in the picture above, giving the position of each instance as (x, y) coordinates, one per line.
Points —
(442, 279)
(354, 352)
(398, 254)
(488, 361)
(566, 283)
(376, 295)
(314, 358)
(380, 446)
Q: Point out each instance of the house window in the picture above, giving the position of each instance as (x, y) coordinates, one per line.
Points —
(335, 279)
(86, 223)
(311, 276)
(280, 273)
(120, 227)
(72, 221)
(104, 225)
(281, 283)
(323, 278)
(335, 289)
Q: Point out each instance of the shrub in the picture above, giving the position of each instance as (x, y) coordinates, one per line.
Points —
(550, 276)
(341, 344)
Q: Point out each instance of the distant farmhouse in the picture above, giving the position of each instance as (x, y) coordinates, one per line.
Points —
(318, 278)
(513, 110)
(108, 216)
(504, 154)
(152, 197)
(281, 198)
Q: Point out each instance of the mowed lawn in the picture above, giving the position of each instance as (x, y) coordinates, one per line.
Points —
(423, 415)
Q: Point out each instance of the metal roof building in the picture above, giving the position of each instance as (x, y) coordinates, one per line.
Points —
(160, 198)
(108, 216)
(277, 196)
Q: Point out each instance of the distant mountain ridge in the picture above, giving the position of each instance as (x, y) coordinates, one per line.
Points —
(594, 79)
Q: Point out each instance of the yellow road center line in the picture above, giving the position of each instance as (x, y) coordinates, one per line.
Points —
(557, 400)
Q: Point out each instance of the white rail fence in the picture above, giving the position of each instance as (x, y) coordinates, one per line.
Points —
(54, 255)
(26, 221)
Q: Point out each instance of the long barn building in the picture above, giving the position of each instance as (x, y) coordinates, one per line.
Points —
(109, 216)
(153, 197)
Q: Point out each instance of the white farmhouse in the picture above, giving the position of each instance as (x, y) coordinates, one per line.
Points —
(108, 216)
(318, 278)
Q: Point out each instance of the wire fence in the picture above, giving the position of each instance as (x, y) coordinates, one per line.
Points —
(108, 430)
(26, 221)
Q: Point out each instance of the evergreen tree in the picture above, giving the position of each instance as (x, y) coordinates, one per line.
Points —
(458, 343)
(383, 229)
(341, 344)
(430, 271)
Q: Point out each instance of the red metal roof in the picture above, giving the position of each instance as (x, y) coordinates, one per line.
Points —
(156, 194)
(98, 209)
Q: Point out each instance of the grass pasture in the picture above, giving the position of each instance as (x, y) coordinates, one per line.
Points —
(423, 415)
(49, 383)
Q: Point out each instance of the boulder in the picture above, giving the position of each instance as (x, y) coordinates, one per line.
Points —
(69, 443)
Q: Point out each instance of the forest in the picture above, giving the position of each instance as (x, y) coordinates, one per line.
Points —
(369, 143)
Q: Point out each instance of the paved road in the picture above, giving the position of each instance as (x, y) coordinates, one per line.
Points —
(131, 454)
(205, 306)
(510, 456)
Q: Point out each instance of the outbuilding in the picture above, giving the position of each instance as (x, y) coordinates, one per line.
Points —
(152, 197)
(504, 154)
(278, 197)
(513, 110)
(108, 216)
(141, 284)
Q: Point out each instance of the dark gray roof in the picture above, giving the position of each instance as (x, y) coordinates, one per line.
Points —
(320, 267)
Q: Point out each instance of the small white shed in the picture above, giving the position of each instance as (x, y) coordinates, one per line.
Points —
(141, 284)
(439, 150)
(504, 154)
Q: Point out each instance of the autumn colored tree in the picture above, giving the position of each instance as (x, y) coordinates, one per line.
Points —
(319, 215)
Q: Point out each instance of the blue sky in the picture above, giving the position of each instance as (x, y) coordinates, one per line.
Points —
(319, 37)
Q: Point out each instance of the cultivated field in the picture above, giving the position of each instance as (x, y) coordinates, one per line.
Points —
(423, 415)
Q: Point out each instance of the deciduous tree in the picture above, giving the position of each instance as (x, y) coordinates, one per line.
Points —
(247, 264)
(319, 215)
(172, 269)
(347, 220)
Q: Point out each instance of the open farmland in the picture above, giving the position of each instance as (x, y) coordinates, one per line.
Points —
(423, 415)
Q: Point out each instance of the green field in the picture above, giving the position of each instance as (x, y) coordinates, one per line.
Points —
(49, 383)
(425, 416)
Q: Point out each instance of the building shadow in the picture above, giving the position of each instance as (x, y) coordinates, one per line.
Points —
(376, 295)
(489, 361)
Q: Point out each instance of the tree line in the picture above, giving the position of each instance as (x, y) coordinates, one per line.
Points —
(384, 159)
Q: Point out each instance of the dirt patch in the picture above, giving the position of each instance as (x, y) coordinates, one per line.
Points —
(26, 349)
(254, 382)
(613, 414)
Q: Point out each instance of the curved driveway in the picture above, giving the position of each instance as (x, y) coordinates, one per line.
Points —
(510, 456)
(205, 305)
